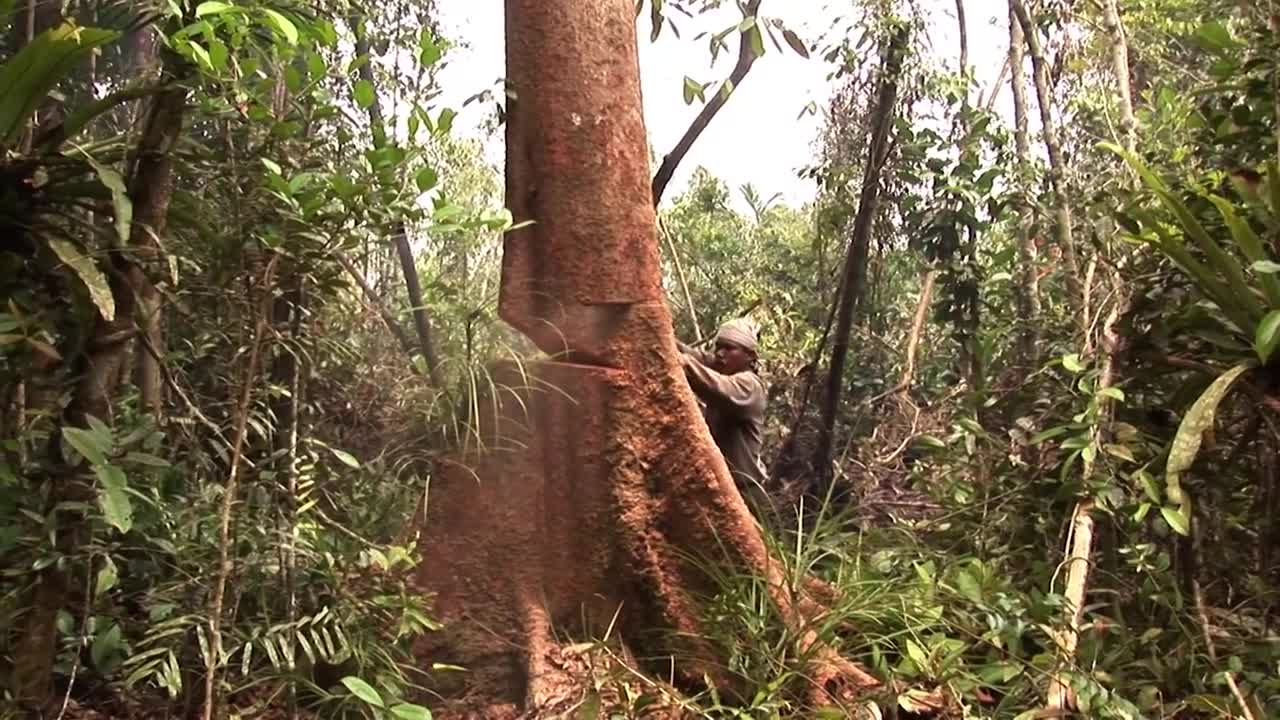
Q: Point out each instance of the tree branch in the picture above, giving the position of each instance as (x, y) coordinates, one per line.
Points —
(746, 58)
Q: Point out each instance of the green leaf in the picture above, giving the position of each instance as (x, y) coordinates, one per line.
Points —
(347, 458)
(1215, 35)
(1177, 519)
(363, 690)
(105, 646)
(273, 166)
(213, 7)
(89, 274)
(1268, 336)
(141, 458)
(409, 711)
(693, 90)
(1072, 363)
(27, 77)
(918, 655)
(107, 576)
(113, 497)
(1265, 267)
(364, 94)
(969, 586)
(282, 25)
(1186, 443)
(795, 42)
(427, 179)
(121, 204)
(88, 444)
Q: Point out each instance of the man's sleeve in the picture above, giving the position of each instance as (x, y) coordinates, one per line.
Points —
(701, 356)
(742, 393)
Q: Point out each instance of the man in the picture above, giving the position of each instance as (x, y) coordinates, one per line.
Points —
(734, 401)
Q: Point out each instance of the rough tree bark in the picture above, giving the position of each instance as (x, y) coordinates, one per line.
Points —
(599, 480)
(1027, 297)
(400, 236)
(746, 58)
(1053, 145)
(855, 267)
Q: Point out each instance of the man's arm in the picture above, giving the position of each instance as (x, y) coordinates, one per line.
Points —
(743, 393)
(701, 356)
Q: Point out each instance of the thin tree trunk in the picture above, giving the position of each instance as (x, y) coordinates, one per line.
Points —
(1112, 348)
(400, 236)
(1027, 295)
(371, 297)
(684, 283)
(160, 134)
(1120, 67)
(229, 492)
(746, 58)
(855, 267)
(917, 331)
(1057, 165)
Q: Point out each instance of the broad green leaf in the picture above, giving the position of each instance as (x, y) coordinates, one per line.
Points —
(105, 646)
(1265, 267)
(121, 203)
(89, 274)
(430, 49)
(969, 586)
(1186, 443)
(213, 7)
(113, 497)
(918, 655)
(693, 90)
(364, 94)
(427, 179)
(1226, 283)
(27, 77)
(283, 25)
(347, 458)
(1251, 246)
(1215, 35)
(87, 443)
(363, 690)
(1268, 336)
(107, 576)
(1072, 363)
(1177, 519)
(409, 711)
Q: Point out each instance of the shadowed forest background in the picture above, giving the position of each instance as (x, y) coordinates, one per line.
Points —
(1024, 388)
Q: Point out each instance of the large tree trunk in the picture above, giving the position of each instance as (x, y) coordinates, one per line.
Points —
(1053, 145)
(1027, 295)
(598, 483)
(855, 267)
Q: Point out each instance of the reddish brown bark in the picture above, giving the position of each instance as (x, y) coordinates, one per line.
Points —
(598, 481)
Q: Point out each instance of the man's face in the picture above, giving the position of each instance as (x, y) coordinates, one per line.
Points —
(732, 358)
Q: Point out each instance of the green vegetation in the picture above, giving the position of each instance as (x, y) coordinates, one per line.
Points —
(248, 293)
